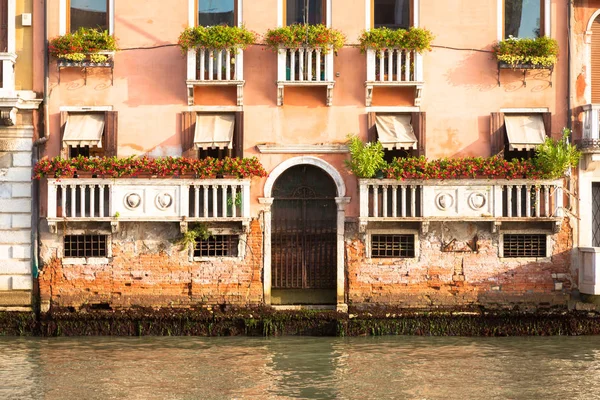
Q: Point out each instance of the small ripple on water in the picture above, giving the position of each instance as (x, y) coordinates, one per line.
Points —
(290, 367)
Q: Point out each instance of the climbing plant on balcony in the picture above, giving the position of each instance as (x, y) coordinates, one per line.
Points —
(366, 159)
(164, 167)
(541, 51)
(413, 39)
(312, 36)
(555, 157)
(218, 37)
(84, 42)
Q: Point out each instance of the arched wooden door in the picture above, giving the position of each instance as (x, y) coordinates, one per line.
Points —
(303, 238)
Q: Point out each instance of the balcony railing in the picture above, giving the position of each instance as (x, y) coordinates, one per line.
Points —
(474, 199)
(120, 200)
(394, 67)
(215, 67)
(304, 67)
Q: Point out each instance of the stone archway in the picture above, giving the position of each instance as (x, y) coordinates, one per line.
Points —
(341, 202)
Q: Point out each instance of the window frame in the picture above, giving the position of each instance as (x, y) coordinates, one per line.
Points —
(323, 11)
(411, 12)
(237, 12)
(414, 14)
(107, 142)
(549, 245)
(282, 17)
(546, 117)
(242, 238)
(545, 26)
(85, 260)
(413, 232)
(65, 16)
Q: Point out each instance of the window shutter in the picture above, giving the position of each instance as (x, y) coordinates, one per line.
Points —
(371, 128)
(64, 152)
(595, 49)
(238, 135)
(497, 133)
(419, 127)
(188, 128)
(110, 133)
(547, 118)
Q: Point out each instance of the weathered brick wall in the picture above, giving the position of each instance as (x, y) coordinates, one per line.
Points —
(148, 269)
(456, 279)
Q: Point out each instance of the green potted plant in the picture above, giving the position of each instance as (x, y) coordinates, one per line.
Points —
(85, 44)
(527, 53)
(309, 36)
(218, 37)
(413, 39)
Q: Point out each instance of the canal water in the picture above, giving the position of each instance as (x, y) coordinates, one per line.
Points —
(300, 367)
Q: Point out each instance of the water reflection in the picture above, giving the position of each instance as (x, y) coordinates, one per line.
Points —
(323, 368)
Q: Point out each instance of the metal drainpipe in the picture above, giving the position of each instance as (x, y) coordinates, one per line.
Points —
(35, 154)
(569, 69)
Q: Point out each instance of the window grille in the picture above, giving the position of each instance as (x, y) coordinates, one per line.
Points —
(524, 246)
(83, 246)
(217, 246)
(392, 246)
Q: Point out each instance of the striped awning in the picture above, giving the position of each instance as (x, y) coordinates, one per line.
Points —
(83, 129)
(214, 131)
(525, 132)
(395, 131)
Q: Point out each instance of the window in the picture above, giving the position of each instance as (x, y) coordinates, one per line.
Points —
(402, 134)
(216, 135)
(90, 134)
(523, 18)
(393, 14)
(516, 135)
(305, 12)
(217, 246)
(88, 14)
(217, 12)
(524, 245)
(392, 246)
(85, 246)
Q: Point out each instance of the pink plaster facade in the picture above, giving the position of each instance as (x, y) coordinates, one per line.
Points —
(460, 91)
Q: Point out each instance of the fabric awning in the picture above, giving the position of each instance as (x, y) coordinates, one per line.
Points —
(214, 131)
(395, 131)
(525, 132)
(83, 130)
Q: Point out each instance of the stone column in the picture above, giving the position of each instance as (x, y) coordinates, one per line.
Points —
(341, 282)
(267, 202)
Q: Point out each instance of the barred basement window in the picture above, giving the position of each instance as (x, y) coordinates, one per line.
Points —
(392, 246)
(516, 245)
(217, 246)
(84, 246)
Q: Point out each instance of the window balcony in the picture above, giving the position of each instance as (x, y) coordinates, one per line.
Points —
(304, 67)
(589, 144)
(207, 67)
(394, 68)
(118, 200)
(495, 201)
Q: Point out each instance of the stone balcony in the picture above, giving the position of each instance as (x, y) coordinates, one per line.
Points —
(305, 67)
(144, 200)
(495, 201)
(206, 67)
(394, 68)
